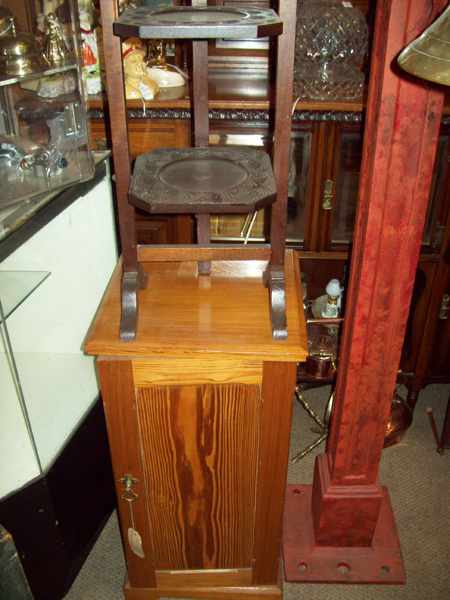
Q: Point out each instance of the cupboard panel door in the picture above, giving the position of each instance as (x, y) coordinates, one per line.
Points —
(199, 445)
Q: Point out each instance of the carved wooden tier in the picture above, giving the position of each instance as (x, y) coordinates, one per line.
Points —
(186, 22)
(203, 180)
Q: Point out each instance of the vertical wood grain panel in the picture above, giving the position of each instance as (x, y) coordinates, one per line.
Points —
(200, 446)
(277, 393)
(116, 380)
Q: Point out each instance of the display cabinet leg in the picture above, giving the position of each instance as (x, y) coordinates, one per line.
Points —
(445, 435)
(443, 440)
(412, 395)
(132, 282)
(275, 282)
(437, 438)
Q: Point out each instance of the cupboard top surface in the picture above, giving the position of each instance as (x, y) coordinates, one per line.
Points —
(181, 313)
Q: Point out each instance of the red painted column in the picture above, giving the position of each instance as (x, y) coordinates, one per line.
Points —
(350, 535)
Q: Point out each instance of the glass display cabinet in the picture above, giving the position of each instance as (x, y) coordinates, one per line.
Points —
(43, 126)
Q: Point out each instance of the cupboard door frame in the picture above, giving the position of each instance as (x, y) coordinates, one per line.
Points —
(119, 399)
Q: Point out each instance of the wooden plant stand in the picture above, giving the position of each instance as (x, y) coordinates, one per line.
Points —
(201, 181)
(198, 410)
(198, 400)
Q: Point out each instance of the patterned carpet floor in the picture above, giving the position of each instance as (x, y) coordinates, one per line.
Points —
(419, 483)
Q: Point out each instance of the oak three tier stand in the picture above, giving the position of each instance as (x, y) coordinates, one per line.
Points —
(197, 346)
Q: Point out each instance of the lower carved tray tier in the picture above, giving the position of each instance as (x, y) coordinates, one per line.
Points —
(213, 180)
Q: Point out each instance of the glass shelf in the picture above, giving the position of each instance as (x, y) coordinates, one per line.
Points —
(16, 287)
(46, 73)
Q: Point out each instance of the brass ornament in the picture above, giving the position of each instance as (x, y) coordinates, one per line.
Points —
(428, 56)
(56, 52)
(399, 422)
(19, 54)
(6, 21)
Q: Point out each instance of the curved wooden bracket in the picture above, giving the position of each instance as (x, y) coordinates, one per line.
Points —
(132, 282)
(275, 282)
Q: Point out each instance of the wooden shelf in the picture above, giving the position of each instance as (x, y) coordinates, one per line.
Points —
(236, 90)
(227, 103)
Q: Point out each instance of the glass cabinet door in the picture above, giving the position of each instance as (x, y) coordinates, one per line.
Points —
(237, 228)
(300, 161)
(438, 366)
(346, 183)
(438, 207)
(252, 228)
(348, 164)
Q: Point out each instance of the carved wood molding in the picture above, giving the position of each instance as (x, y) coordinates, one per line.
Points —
(233, 115)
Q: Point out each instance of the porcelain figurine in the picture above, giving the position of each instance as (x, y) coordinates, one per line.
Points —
(333, 305)
(138, 84)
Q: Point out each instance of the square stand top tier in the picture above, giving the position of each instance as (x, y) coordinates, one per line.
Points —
(195, 23)
(186, 315)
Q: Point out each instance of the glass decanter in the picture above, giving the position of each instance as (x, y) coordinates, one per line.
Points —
(331, 45)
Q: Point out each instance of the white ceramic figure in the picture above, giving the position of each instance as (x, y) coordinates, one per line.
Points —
(334, 299)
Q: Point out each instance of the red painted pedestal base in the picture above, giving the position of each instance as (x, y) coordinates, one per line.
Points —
(306, 562)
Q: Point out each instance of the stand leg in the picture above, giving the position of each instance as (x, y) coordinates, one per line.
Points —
(413, 394)
(203, 237)
(274, 281)
(132, 282)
